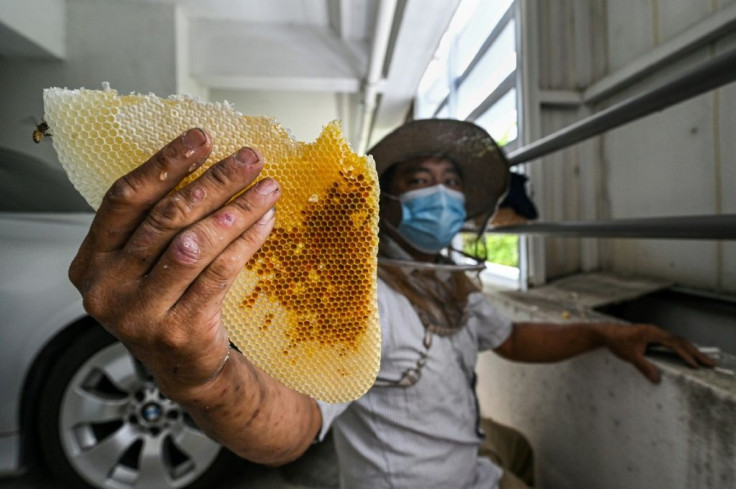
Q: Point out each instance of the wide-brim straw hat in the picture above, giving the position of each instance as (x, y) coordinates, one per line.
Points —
(482, 164)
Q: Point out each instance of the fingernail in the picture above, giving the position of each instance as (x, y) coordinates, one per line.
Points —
(246, 156)
(193, 138)
(266, 186)
(267, 216)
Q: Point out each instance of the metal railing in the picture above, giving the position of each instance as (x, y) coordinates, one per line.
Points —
(702, 78)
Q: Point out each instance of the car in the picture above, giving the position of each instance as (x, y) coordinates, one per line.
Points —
(72, 394)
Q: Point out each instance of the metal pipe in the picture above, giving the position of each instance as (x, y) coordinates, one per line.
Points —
(717, 25)
(708, 75)
(710, 227)
(381, 36)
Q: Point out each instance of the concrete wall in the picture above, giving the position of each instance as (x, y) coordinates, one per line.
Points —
(133, 49)
(596, 422)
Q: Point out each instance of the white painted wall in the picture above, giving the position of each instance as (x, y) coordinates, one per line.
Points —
(133, 49)
(303, 113)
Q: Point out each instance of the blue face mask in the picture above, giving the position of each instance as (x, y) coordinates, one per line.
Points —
(431, 217)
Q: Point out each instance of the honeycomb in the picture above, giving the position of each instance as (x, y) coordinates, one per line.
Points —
(304, 308)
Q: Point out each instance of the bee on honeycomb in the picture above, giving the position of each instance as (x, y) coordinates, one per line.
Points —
(40, 132)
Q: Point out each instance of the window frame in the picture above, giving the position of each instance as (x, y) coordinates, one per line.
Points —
(495, 274)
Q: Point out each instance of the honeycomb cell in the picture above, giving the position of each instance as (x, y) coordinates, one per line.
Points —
(304, 308)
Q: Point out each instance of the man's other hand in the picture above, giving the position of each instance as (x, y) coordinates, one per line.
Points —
(630, 342)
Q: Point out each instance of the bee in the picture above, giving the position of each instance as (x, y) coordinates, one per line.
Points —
(40, 131)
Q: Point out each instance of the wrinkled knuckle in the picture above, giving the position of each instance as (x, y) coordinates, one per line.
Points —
(76, 273)
(220, 273)
(187, 247)
(221, 174)
(123, 191)
(165, 156)
(94, 301)
(169, 214)
(251, 241)
(245, 205)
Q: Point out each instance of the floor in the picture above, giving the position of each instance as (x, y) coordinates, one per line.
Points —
(263, 479)
(315, 470)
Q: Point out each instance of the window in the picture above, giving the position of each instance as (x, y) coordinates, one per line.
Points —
(473, 76)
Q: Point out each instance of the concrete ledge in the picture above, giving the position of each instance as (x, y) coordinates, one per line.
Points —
(595, 421)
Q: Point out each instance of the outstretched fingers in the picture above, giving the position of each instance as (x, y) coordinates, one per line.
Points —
(188, 205)
(199, 256)
(209, 289)
(130, 198)
(688, 352)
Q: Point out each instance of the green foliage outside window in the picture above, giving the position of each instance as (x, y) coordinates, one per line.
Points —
(501, 249)
(508, 136)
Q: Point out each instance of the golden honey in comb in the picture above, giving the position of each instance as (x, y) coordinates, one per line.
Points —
(304, 308)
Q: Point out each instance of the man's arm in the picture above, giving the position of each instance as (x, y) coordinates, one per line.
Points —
(252, 414)
(154, 270)
(552, 342)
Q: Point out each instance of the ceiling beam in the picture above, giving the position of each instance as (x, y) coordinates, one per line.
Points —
(240, 55)
(286, 83)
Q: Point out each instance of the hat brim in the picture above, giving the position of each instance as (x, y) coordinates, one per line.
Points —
(484, 167)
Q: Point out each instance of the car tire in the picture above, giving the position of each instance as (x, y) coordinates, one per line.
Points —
(104, 424)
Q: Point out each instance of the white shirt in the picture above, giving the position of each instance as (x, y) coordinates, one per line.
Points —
(423, 436)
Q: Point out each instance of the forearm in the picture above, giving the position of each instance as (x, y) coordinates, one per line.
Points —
(552, 342)
(252, 414)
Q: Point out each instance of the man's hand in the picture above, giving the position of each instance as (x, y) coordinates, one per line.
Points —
(553, 342)
(156, 264)
(630, 343)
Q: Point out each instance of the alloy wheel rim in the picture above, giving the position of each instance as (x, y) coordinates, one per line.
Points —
(119, 431)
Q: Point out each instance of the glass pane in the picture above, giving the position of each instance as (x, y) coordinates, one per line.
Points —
(485, 17)
(497, 63)
(500, 120)
(433, 88)
(444, 113)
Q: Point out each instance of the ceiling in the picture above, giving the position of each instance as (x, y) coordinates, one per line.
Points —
(371, 53)
(375, 51)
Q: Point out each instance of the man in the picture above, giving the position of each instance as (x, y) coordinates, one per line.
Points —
(156, 266)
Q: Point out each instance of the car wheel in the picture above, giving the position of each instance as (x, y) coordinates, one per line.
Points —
(104, 424)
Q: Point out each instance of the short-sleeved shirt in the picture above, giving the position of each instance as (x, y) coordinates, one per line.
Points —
(425, 435)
